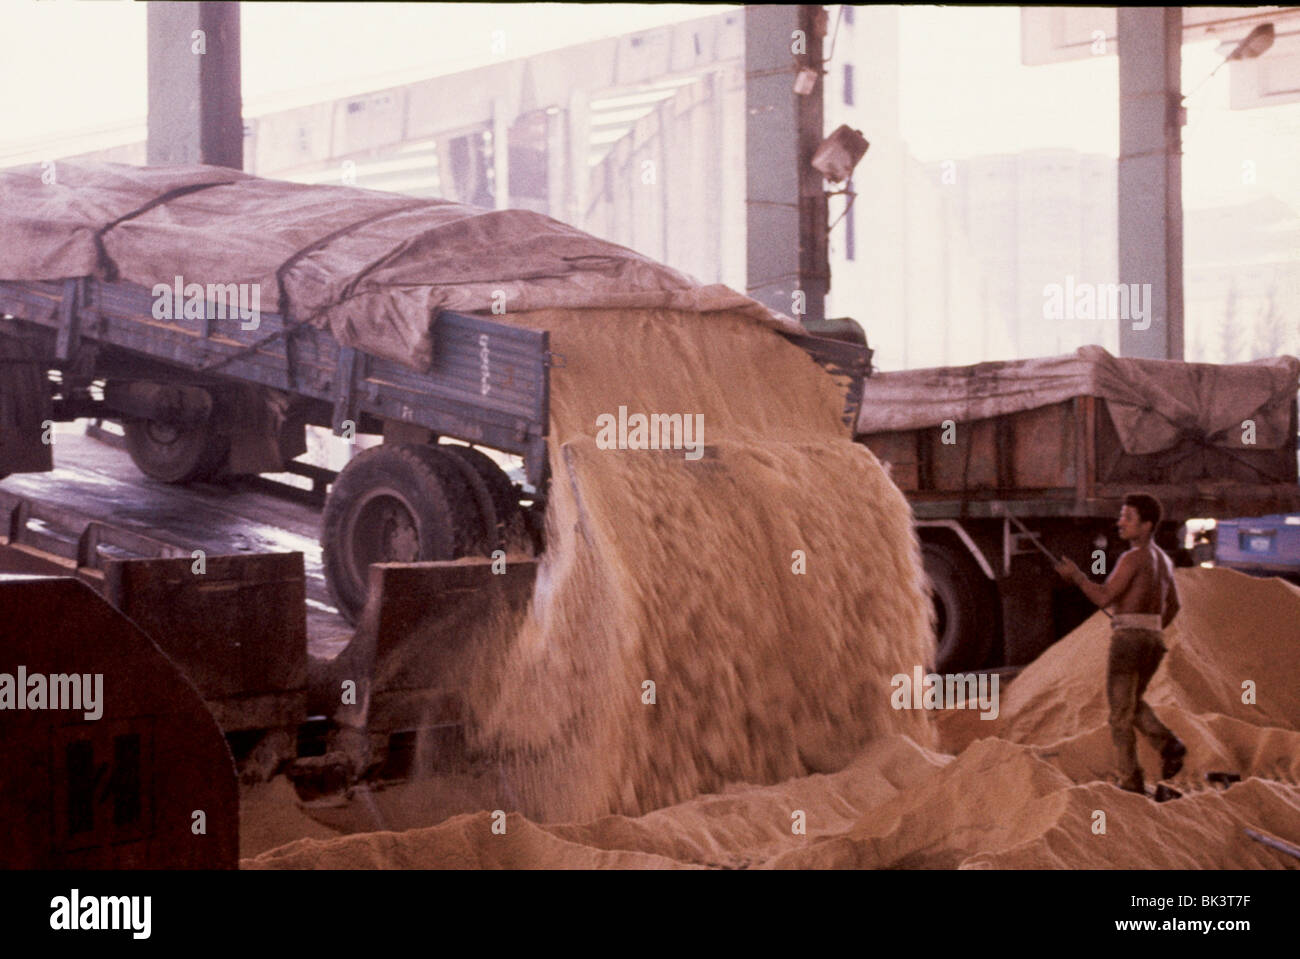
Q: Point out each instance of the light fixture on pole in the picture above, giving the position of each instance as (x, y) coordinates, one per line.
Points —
(1254, 44)
(839, 153)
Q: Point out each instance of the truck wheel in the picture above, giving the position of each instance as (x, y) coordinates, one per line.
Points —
(174, 455)
(964, 606)
(395, 503)
(510, 531)
(463, 490)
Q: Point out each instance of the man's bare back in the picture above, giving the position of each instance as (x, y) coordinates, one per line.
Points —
(1151, 587)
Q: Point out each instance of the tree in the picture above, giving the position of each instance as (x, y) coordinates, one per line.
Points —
(1270, 329)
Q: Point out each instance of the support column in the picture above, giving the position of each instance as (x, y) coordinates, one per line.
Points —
(785, 198)
(195, 107)
(579, 172)
(1150, 178)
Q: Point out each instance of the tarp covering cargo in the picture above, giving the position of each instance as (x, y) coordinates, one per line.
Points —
(1153, 404)
(374, 268)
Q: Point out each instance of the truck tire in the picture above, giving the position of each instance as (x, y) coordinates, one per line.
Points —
(173, 455)
(399, 502)
(481, 535)
(965, 608)
(25, 405)
(463, 490)
(509, 529)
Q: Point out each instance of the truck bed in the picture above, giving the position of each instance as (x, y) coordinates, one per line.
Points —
(1064, 460)
(488, 384)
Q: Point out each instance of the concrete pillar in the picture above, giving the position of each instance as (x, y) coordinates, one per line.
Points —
(557, 198)
(661, 187)
(785, 198)
(195, 109)
(1150, 178)
(732, 123)
(579, 136)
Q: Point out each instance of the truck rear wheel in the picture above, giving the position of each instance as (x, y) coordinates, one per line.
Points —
(509, 529)
(174, 455)
(395, 503)
(965, 608)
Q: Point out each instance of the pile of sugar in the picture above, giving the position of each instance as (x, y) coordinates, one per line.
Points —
(1020, 792)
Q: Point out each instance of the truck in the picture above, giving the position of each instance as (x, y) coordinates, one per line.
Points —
(100, 318)
(122, 298)
(996, 456)
(1260, 546)
(381, 321)
(142, 296)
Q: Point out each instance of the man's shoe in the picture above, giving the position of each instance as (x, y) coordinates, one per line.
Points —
(1172, 755)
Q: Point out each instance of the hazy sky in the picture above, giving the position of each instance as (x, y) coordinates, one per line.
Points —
(964, 91)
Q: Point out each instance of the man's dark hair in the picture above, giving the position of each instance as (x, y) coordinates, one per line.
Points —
(1148, 508)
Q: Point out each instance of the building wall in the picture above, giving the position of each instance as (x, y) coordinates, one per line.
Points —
(672, 186)
(909, 272)
(1242, 282)
(640, 140)
(872, 287)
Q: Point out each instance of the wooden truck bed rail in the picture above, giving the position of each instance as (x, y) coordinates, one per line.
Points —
(488, 384)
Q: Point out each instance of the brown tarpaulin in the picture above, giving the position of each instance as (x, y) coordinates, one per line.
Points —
(1153, 403)
(372, 267)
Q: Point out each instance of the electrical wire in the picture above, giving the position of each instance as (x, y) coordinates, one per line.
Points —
(838, 17)
(847, 207)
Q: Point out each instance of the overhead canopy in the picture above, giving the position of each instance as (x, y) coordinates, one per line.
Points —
(1153, 403)
(372, 267)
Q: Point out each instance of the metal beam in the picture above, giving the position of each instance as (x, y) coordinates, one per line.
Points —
(1150, 179)
(195, 109)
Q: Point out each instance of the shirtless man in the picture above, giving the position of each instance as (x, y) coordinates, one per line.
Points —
(1144, 598)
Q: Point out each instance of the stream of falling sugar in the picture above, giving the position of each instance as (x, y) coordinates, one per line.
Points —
(684, 573)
